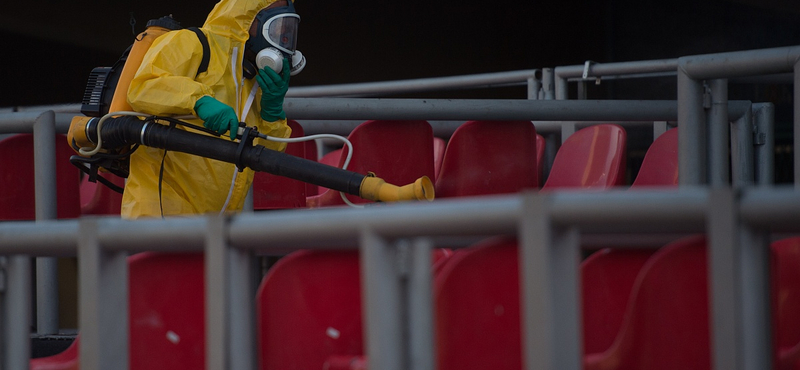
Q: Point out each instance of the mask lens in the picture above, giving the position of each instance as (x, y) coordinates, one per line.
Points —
(281, 32)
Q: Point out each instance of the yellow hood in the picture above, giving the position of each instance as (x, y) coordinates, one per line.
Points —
(228, 19)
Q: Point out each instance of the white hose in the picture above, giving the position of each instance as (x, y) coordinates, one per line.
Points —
(323, 136)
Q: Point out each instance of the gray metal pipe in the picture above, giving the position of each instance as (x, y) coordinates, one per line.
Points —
(17, 344)
(615, 210)
(692, 133)
(776, 209)
(796, 123)
(415, 85)
(764, 121)
(743, 152)
(617, 69)
(548, 84)
(489, 109)
(718, 134)
(740, 63)
(44, 169)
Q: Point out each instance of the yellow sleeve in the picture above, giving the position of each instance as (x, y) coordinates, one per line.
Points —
(165, 82)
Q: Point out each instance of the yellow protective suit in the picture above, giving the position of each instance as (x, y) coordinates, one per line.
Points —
(166, 84)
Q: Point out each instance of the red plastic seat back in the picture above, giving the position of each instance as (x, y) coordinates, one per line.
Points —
(541, 143)
(785, 272)
(309, 308)
(17, 200)
(660, 164)
(98, 199)
(592, 158)
(167, 311)
(666, 325)
(167, 315)
(439, 146)
(489, 157)
(607, 278)
(399, 152)
(278, 192)
(477, 308)
(66, 360)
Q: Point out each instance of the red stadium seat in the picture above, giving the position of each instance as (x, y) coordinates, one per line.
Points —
(607, 278)
(489, 157)
(786, 302)
(439, 146)
(540, 146)
(666, 325)
(167, 315)
(17, 200)
(308, 310)
(477, 308)
(660, 164)
(278, 192)
(592, 158)
(399, 152)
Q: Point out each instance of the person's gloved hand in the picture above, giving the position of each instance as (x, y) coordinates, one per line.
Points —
(273, 90)
(217, 116)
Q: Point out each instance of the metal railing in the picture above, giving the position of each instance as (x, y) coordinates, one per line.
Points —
(548, 225)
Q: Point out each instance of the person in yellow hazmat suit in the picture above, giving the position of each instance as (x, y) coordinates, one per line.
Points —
(251, 44)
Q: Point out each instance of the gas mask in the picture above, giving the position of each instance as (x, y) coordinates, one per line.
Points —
(275, 39)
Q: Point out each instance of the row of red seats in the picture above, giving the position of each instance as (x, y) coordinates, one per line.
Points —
(481, 157)
(156, 334)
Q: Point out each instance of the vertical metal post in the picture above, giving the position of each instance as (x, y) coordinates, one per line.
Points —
(248, 201)
(692, 134)
(103, 315)
(230, 305)
(743, 151)
(15, 354)
(796, 125)
(718, 134)
(44, 167)
(382, 302)
(420, 306)
(549, 257)
(548, 82)
(534, 85)
(764, 141)
(659, 127)
(739, 287)
(562, 88)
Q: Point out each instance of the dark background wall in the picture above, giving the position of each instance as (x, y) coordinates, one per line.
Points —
(50, 46)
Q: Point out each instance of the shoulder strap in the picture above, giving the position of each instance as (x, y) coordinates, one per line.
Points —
(206, 50)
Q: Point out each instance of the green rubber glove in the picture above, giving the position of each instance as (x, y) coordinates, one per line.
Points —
(217, 116)
(273, 90)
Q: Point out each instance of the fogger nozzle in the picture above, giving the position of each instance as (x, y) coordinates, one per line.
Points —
(375, 188)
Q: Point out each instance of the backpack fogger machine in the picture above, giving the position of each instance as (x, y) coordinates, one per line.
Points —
(117, 133)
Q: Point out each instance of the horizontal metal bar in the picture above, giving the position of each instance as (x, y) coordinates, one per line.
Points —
(341, 225)
(775, 208)
(489, 109)
(615, 211)
(414, 85)
(22, 122)
(39, 238)
(740, 63)
(175, 234)
(616, 69)
(595, 213)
